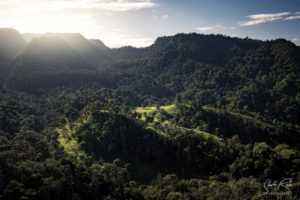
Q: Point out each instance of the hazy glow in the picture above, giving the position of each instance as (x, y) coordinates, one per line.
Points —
(92, 18)
(139, 22)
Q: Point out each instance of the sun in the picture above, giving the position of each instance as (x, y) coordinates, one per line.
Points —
(40, 17)
(40, 22)
(107, 21)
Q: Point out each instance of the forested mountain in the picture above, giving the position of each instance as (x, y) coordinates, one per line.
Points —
(242, 74)
(11, 45)
(98, 43)
(92, 52)
(190, 117)
(51, 53)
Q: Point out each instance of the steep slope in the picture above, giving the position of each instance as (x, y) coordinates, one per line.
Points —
(106, 136)
(11, 45)
(234, 73)
(29, 36)
(87, 49)
(48, 62)
(50, 54)
(129, 53)
(189, 140)
(4, 69)
(98, 43)
(214, 124)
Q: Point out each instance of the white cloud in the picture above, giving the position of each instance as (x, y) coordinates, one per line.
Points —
(218, 29)
(296, 40)
(263, 18)
(120, 5)
(165, 17)
(155, 17)
(119, 37)
(210, 28)
(119, 40)
(294, 17)
(110, 5)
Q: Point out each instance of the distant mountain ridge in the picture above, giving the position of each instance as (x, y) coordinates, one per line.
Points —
(52, 52)
(235, 73)
(92, 52)
(243, 74)
(43, 53)
(11, 43)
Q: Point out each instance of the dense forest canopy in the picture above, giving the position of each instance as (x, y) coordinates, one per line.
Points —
(190, 117)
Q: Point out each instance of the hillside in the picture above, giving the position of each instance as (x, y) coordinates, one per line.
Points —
(190, 117)
(92, 52)
(232, 73)
(51, 60)
(11, 45)
(45, 62)
(51, 52)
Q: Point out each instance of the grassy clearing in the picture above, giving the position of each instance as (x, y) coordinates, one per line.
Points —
(204, 135)
(151, 127)
(207, 136)
(143, 110)
(158, 120)
(239, 115)
(155, 110)
(170, 109)
(68, 141)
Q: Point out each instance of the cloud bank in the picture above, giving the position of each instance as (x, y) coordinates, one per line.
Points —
(269, 17)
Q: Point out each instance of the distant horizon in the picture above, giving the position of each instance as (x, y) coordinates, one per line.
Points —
(139, 22)
(103, 40)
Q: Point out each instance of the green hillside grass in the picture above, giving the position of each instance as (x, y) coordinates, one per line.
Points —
(157, 113)
(161, 123)
(240, 116)
(67, 139)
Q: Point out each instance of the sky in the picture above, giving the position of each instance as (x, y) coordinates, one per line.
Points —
(139, 22)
